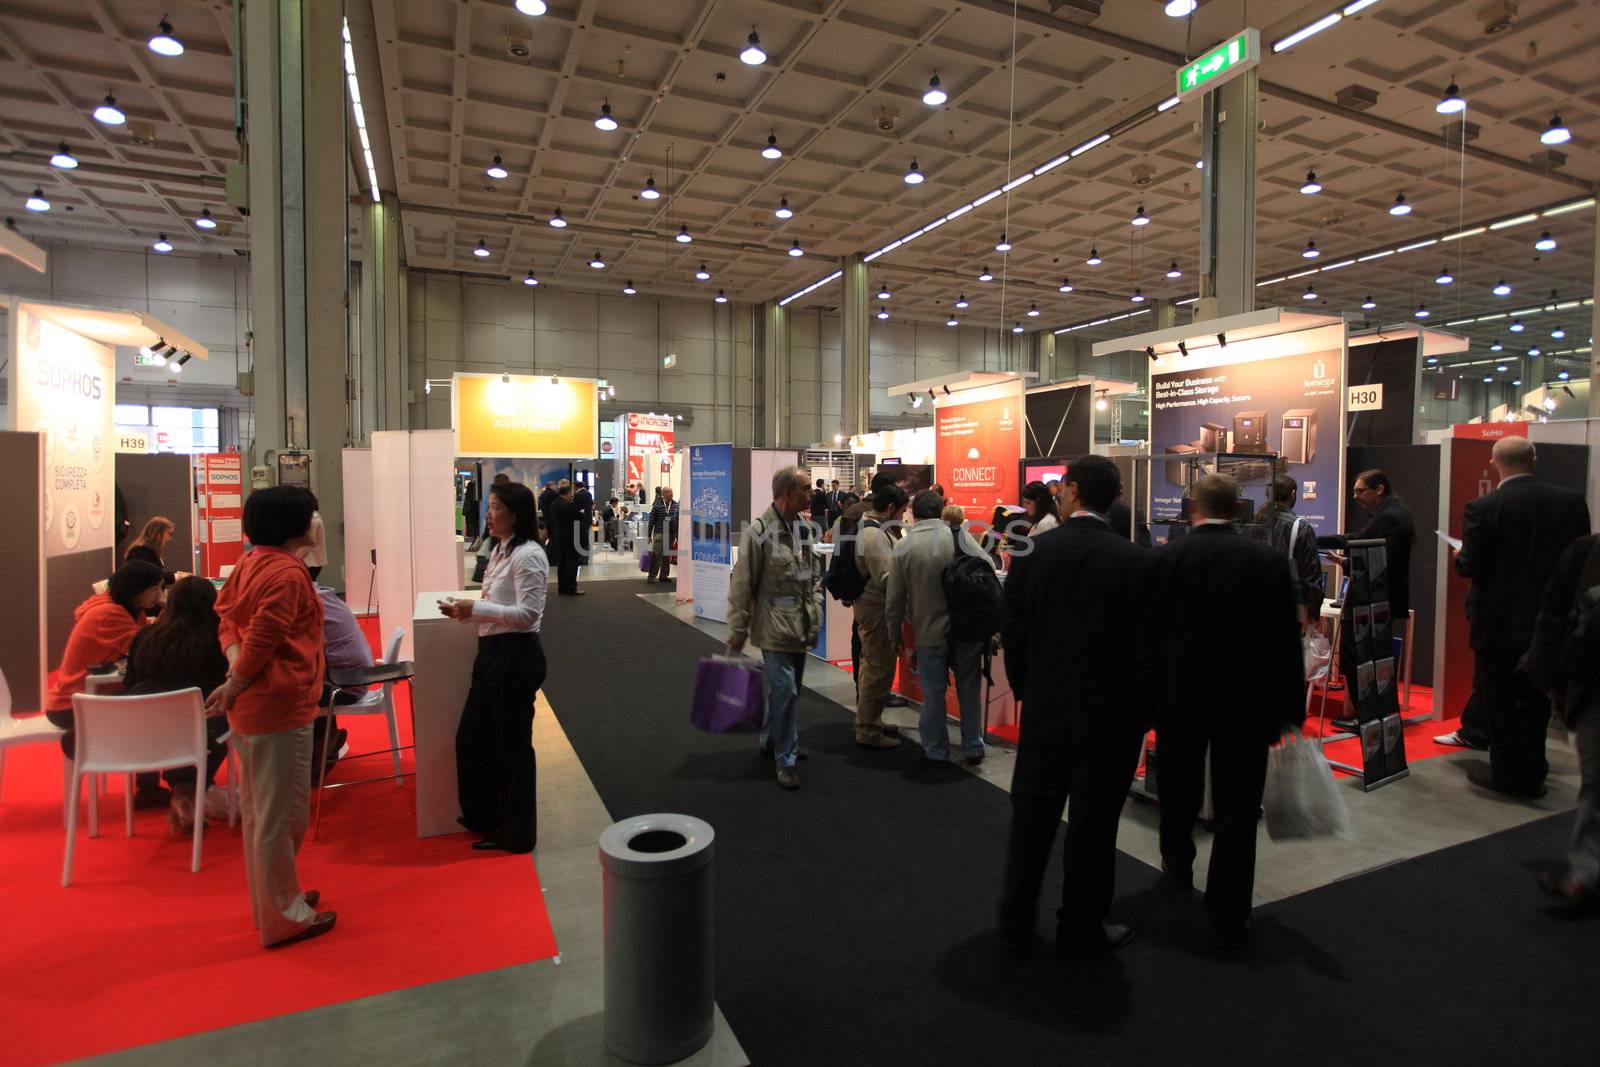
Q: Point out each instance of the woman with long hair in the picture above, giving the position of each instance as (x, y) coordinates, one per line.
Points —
(495, 768)
(152, 542)
(182, 649)
(1040, 506)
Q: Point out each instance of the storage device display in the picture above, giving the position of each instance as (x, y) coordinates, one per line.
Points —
(1299, 436)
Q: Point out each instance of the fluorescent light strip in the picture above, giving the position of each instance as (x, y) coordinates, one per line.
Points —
(1464, 233)
(1336, 266)
(985, 198)
(1014, 182)
(1092, 143)
(1272, 281)
(356, 111)
(1375, 255)
(1504, 224)
(1301, 34)
(1044, 168)
(1417, 245)
(1358, 5)
(1302, 274)
(1576, 205)
(958, 212)
(935, 224)
(1190, 300)
(812, 287)
(1168, 104)
(1565, 305)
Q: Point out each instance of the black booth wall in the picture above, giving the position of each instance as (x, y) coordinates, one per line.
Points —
(22, 461)
(1059, 421)
(159, 484)
(1413, 470)
(1392, 364)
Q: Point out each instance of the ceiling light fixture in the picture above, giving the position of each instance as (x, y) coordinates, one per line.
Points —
(935, 96)
(1138, 295)
(772, 151)
(205, 221)
(1451, 103)
(1312, 187)
(605, 121)
(883, 292)
(482, 250)
(721, 297)
(163, 43)
(1004, 244)
(1310, 251)
(784, 211)
(752, 56)
(557, 221)
(37, 201)
(883, 312)
(497, 169)
(914, 175)
(63, 159)
(1556, 132)
(1445, 277)
(1178, 9)
(1016, 327)
(1173, 271)
(1487, 379)
(952, 321)
(1496, 347)
(683, 237)
(1502, 289)
(1368, 304)
(1535, 351)
(1310, 293)
(650, 192)
(628, 289)
(534, 8)
(1545, 243)
(1400, 205)
(1558, 333)
(162, 245)
(1033, 311)
(1422, 311)
(1140, 218)
(1501, 368)
(529, 279)
(1564, 375)
(702, 274)
(1516, 326)
(1066, 285)
(795, 249)
(985, 276)
(108, 113)
(1094, 259)
(597, 263)
(961, 301)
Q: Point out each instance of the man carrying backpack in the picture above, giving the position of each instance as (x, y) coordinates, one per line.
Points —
(1564, 663)
(873, 550)
(948, 635)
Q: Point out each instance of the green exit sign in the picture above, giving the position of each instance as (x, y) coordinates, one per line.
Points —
(1228, 59)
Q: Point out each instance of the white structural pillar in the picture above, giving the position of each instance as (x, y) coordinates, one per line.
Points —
(298, 225)
(856, 371)
(382, 375)
(773, 360)
(1228, 199)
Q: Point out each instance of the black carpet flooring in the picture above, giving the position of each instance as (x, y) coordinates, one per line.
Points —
(854, 917)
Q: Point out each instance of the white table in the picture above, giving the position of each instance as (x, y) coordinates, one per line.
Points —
(444, 651)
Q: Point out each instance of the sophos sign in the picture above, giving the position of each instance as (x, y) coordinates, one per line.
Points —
(65, 379)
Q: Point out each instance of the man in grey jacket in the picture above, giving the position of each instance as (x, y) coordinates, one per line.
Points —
(775, 599)
(873, 552)
(916, 591)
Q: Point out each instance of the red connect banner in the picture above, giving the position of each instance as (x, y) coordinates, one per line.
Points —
(978, 450)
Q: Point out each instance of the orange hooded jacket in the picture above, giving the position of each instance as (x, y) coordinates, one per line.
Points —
(102, 630)
(270, 609)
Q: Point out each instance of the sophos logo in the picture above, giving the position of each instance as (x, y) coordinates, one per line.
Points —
(53, 375)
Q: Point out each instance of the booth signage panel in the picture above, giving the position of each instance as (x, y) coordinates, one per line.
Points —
(221, 510)
(63, 386)
(1287, 405)
(711, 527)
(979, 448)
(525, 416)
(648, 435)
(133, 440)
(1488, 431)
(1365, 397)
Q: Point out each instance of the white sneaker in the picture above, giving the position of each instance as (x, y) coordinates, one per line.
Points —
(1453, 740)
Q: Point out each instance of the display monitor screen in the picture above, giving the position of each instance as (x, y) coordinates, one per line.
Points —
(1043, 472)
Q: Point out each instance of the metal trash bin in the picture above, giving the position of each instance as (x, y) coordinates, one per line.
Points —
(658, 941)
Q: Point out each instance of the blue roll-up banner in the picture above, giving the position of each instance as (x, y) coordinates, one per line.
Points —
(711, 527)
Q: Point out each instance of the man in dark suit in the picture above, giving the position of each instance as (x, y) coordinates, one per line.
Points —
(1072, 603)
(1225, 634)
(1510, 540)
(563, 527)
(819, 505)
(583, 504)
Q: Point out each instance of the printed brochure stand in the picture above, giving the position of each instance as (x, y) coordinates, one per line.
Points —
(1366, 655)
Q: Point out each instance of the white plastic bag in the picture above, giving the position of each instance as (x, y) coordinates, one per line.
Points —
(1301, 799)
(1317, 653)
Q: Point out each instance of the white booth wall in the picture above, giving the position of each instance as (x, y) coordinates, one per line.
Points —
(412, 480)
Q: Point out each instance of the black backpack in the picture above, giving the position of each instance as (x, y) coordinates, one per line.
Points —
(972, 595)
(844, 579)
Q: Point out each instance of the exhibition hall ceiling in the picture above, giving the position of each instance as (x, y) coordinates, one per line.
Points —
(448, 86)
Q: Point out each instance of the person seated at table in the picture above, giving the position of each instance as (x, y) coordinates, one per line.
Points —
(102, 629)
(180, 650)
(344, 647)
(152, 542)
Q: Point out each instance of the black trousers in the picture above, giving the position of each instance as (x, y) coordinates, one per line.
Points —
(1238, 776)
(1518, 716)
(567, 569)
(1094, 775)
(495, 770)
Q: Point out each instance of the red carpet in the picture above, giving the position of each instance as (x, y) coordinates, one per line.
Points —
(140, 950)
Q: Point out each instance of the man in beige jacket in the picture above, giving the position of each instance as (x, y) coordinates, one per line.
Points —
(873, 551)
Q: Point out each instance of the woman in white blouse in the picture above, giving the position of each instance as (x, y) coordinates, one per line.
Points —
(1040, 504)
(494, 742)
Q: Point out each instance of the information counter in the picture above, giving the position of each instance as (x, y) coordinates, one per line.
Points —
(444, 653)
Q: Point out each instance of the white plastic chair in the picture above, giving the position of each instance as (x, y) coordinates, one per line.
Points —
(30, 731)
(128, 734)
(379, 701)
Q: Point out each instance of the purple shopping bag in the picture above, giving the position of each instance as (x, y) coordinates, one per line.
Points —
(728, 697)
(647, 560)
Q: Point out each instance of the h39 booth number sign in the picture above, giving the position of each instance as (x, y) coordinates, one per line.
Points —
(1365, 397)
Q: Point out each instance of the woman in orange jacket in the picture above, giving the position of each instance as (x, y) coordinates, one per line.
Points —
(272, 633)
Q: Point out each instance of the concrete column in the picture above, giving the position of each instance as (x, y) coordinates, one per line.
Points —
(856, 376)
(772, 359)
(1163, 314)
(298, 224)
(1228, 199)
(382, 383)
